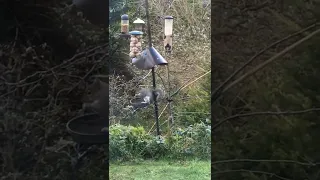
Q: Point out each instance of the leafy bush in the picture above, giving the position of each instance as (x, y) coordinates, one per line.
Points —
(128, 143)
(194, 141)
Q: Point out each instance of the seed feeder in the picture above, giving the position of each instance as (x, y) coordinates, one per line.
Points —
(148, 58)
(135, 43)
(125, 26)
(139, 24)
(168, 28)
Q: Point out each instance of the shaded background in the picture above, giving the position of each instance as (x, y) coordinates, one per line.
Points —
(241, 29)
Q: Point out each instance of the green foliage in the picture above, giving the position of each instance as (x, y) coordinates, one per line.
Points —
(193, 141)
(129, 143)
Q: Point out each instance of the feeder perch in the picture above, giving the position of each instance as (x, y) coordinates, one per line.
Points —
(168, 29)
(148, 59)
(89, 129)
(135, 43)
(139, 24)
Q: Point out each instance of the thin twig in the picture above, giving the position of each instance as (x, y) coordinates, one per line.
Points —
(163, 83)
(265, 160)
(158, 117)
(264, 113)
(77, 55)
(250, 171)
(262, 65)
(192, 113)
(182, 87)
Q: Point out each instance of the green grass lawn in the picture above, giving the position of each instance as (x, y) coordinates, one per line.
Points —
(160, 170)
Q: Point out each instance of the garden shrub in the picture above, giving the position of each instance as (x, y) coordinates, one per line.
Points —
(129, 143)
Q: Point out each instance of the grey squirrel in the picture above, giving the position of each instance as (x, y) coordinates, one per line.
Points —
(98, 100)
(145, 97)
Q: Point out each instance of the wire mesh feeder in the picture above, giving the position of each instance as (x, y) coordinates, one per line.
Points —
(87, 129)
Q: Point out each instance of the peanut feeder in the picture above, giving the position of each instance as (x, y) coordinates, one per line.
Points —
(135, 43)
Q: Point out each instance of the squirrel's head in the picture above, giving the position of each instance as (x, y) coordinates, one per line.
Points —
(97, 96)
(160, 93)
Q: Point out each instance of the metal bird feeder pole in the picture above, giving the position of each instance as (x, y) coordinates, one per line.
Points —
(171, 119)
(156, 111)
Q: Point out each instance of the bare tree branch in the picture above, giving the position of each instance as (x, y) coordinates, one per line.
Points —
(262, 65)
(250, 171)
(217, 91)
(258, 7)
(265, 160)
(264, 113)
(188, 83)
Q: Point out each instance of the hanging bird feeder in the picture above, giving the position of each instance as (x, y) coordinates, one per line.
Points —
(139, 25)
(148, 58)
(168, 29)
(135, 43)
(124, 24)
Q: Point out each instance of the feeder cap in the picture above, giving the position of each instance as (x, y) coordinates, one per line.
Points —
(138, 21)
(125, 17)
(168, 17)
(135, 32)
